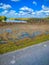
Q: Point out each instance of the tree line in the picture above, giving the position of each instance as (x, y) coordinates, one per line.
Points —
(29, 20)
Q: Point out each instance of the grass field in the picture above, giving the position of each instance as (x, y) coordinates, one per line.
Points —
(11, 46)
(15, 30)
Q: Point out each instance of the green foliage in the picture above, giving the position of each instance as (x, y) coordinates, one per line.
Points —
(33, 20)
(38, 20)
(2, 18)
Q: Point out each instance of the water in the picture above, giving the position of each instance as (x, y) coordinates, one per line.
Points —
(37, 33)
(8, 30)
(47, 32)
(16, 21)
(22, 34)
(26, 34)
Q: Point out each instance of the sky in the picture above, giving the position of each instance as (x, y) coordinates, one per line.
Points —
(24, 8)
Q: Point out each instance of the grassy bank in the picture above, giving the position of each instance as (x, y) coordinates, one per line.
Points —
(11, 46)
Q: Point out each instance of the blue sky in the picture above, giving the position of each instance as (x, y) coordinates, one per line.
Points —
(24, 8)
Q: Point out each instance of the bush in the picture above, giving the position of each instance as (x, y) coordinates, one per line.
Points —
(3, 18)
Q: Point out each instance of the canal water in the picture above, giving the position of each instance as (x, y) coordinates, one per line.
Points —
(16, 21)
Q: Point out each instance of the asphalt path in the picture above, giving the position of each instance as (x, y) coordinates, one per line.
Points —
(32, 55)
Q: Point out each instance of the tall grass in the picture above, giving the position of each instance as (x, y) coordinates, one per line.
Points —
(11, 46)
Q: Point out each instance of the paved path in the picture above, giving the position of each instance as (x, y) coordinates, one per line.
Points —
(33, 55)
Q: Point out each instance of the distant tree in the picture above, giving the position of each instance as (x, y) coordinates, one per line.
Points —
(3, 18)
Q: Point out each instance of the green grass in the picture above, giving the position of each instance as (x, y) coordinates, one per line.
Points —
(11, 46)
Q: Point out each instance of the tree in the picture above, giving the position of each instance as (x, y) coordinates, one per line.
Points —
(3, 18)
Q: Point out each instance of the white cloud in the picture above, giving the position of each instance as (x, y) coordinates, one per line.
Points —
(4, 12)
(1, 3)
(11, 13)
(27, 9)
(15, 0)
(5, 6)
(26, 12)
(45, 8)
(43, 12)
(33, 13)
(34, 2)
(23, 13)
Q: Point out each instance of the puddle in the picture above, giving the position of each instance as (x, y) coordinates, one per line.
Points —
(8, 30)
(36, 33)
(5, 30)
(47, 32)
(23, 35)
